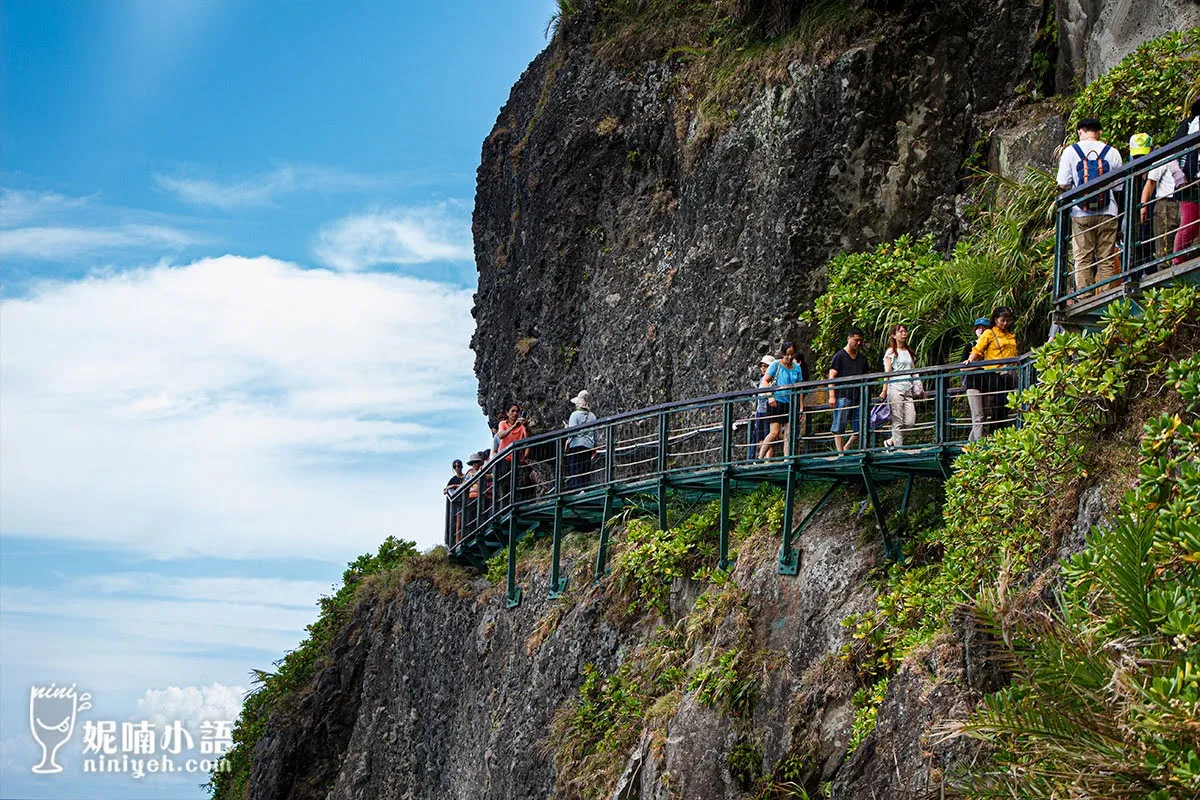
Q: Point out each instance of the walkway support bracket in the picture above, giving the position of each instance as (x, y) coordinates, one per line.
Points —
(789, 558)
(602, 553)
(891, 548)
(558, 584)
(792, 565)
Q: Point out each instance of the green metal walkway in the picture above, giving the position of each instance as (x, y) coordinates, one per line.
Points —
(705, 448)
(697, 449)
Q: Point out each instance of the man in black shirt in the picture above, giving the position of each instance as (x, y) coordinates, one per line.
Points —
(847, 362)
(455, 479)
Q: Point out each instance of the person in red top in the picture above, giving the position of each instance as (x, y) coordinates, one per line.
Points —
(510, 431)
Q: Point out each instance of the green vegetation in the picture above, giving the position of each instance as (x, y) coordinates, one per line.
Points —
(1147, 92)
(1106, 700)
(648, 560)
(394, 561)
(1010, 498)
(1007, 260)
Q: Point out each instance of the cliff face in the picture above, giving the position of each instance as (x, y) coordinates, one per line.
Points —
(445, 694)
(625, 245)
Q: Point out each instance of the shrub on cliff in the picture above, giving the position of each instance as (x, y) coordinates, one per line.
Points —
(1010, 499)
(1106, 701)
(1147, 92)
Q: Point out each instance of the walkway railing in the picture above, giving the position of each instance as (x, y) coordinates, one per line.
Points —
(1147, 253)
(706, 446)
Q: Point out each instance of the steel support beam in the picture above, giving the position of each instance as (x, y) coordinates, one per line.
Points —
(789, 535)
(602, 553)
(890, 548)
(558, 584)
(723, 540)
(789, 558)
(908, 484)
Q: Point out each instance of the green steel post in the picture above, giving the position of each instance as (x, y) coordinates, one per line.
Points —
(558, 466)
(1060, 257)
(726, 457)
(513, 594)
(890, 549)
(907, 491)
(1129, 227)
(789, 559)
(941, 405)
(602, 553)
(662, 467)
(792, 566)
(724, 561)
(558, 584)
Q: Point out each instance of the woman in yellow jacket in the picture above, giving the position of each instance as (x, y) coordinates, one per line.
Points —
(995, 343)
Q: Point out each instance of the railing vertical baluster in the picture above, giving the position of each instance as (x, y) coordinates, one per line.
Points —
(941, 408)
(864, 415)
(610, 452)
(449, 523)
(1061, 240)
(1129, 227)
(559, 447)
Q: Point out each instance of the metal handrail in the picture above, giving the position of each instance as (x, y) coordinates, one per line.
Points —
(503, 487)
(1140, 255)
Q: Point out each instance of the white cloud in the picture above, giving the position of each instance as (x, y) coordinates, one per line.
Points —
(397, 236)
(18, 207)
(234, 407)
(50, 243)
(191, 705)
(262, 189)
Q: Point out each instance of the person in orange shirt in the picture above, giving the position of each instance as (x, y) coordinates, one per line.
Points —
(997, 342)
(510, 431)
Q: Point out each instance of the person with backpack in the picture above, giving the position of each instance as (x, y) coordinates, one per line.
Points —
(1093, 221)
(582, 447)
(1188, 194)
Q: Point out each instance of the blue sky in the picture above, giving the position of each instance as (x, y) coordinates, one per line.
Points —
(236, 279)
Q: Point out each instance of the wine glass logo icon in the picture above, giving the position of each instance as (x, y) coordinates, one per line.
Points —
(52, 711)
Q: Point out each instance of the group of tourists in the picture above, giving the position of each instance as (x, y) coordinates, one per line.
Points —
(986, 389)
(512, 428)
(1166, 202)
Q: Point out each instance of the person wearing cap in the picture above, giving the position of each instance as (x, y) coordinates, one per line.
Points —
(1093, 221)
(973, 382)
(785, 371)
(1140, 145)
(1160, 209)
(997, 342)
(758, 421)
(581, 448)
(471, 511)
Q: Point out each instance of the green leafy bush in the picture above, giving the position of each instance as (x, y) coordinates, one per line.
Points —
(1007, 260)
(1106, 700)
(1147, 92)
(1007, 500)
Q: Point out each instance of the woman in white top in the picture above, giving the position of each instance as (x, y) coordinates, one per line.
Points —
(900, 393)
(582, 446)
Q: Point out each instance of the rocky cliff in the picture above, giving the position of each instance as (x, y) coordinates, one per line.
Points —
(645, 235)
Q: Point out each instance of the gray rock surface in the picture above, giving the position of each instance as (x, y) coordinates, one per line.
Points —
(1094, 35)
(650, 259)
